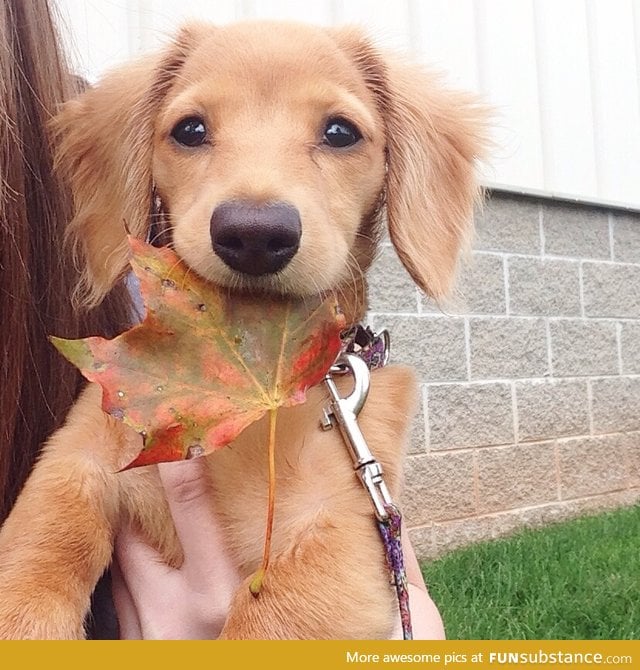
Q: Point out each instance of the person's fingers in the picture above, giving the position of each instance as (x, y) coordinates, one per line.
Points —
(188, 492)
(136, 558)
(151, 583)
(141, 568)
(128, 620)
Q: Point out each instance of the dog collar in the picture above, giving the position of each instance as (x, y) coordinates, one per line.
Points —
(372, 348)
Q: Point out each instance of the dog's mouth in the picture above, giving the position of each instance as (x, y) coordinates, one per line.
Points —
(272, 286)
(252, 249)
(268, 288)
(261, 252)
(280, 285)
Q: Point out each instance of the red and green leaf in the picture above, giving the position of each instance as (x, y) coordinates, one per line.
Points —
(204, 363)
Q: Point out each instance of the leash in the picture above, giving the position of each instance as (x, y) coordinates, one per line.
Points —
(364, 351)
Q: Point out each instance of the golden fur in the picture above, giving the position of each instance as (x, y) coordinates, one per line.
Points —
(265, 90)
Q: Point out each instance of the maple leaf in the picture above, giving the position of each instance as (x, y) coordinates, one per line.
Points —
(204, 363)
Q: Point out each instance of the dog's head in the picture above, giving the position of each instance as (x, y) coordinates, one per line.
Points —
(276, 150)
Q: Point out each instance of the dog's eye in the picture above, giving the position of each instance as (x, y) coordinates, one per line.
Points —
(339, 133)
(190, 132)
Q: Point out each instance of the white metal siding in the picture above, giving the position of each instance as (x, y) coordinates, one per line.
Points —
(563, 75)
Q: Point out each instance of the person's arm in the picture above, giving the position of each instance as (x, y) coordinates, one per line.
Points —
(425, 617)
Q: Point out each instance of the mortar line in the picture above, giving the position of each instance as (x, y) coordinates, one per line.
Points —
(467, 346)
(590, 406)
(514, 411)
(611, 237)
(619, 345)
(541, 230)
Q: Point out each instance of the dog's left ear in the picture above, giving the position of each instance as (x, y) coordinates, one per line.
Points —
(103, 144)
(434, 138)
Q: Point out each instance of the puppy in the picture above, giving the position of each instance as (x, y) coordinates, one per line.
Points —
(275, 154)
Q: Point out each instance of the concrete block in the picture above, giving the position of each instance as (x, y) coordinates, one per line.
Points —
(616, 404)
(509, 223)
(417, 436)
(468, 415)
(582, 348)
(626, 238)
(481, 285)
(551, 408)
(589, 466)
(391, 289)
(574, 230)
(611, 290)
(422, 542)
(516, 476)
(450, 535)
(630, 347)
(503, 348)
(438, 486)
(435, 346)
(633, 459)
(543, 287)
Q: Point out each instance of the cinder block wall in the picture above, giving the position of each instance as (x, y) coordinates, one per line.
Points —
(530, 405)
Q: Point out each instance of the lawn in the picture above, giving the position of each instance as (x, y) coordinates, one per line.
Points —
(573, 580)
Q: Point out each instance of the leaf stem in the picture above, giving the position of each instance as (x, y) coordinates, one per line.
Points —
(256, 582)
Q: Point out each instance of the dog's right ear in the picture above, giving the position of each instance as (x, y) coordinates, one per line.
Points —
(434, 138)
(103, 148)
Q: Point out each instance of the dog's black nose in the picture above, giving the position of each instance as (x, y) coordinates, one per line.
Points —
(255, 239)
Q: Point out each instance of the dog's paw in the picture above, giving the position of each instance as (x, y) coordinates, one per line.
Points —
(38, 616)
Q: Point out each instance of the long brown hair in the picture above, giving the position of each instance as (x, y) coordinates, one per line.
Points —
(37, 275)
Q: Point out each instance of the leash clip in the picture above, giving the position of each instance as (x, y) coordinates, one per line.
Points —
(344, 412)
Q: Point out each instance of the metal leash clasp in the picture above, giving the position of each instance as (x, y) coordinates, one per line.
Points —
(344, 412)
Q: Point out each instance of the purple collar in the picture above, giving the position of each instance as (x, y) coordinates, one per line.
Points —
(372, 348)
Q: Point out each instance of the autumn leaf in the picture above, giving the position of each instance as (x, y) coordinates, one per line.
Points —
(204, 363)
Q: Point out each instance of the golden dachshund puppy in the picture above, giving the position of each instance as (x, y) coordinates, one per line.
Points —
(276, 153)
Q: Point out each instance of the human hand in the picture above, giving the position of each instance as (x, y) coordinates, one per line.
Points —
(155, 601)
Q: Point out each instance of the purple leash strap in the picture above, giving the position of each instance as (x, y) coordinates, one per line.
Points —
(390, 532)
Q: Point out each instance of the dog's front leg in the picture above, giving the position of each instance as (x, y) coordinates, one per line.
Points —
(58, 539)
(332, 584)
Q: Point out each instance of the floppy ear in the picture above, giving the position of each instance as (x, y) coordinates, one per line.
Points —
(104, 146)
(434, 138)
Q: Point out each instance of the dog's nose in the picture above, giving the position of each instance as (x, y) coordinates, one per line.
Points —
(255, 239)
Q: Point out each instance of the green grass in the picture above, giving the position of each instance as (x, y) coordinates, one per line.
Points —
(574, 580)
